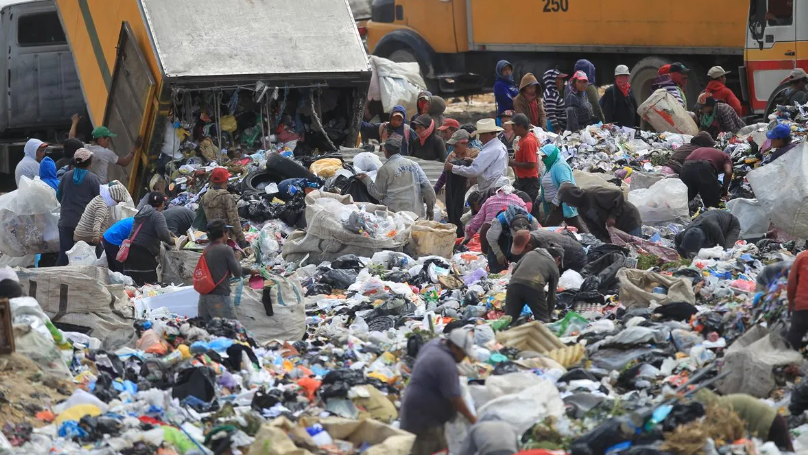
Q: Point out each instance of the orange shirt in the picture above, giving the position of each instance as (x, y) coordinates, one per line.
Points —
(528, 153)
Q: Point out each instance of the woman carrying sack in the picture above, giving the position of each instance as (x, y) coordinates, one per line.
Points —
(139, 253)
(217, 264)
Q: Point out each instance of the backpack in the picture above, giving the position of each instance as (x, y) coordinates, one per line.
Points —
(203, 280)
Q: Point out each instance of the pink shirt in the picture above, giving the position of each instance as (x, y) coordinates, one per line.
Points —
(491, 207)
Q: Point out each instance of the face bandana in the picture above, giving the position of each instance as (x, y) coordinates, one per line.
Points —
(622, 83)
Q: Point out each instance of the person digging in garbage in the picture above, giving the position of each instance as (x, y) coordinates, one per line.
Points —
(574, 253)
(29, 165)
(222, 265)
(602, 208)
(218, 204)
(525, 162)
(429, 146)
(103, 156)
(554, 93)
(760, 419)
(490, 165)
(579, 110)
(797, 91)
(700, 174)
(529, 101)
(96, 217)
(556, 172)
(771, 274)
(433, 396)
(717, 117)
(490, 436)
(397, 126)
(717, 88)
(618, 103)
(781, 142)
(537, 268)
(797, 292)
(76, 189)
(148, 230)
(711, 228)
(504, 197)
(678, 157)
(112, 240)
(505, 89)
(500, 236)
(179, 219)
(401, 184)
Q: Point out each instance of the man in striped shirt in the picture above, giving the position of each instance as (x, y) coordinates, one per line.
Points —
(554, 101)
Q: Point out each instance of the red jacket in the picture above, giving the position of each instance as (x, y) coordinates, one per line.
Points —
(798, 284)
(720, 92)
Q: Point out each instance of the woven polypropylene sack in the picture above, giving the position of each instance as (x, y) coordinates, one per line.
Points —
(664, 113)
(430, 238)
(636, 286)
(782, 187)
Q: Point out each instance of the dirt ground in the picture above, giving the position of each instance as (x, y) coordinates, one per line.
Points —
(24, 391)
(477, 107)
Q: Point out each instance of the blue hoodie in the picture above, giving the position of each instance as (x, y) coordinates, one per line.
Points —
(505, 89)
(587, 67)
(47, 172)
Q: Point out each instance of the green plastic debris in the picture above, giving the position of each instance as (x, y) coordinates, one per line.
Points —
(572, 323)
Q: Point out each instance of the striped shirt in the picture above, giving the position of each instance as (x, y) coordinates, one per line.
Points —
(491, 207)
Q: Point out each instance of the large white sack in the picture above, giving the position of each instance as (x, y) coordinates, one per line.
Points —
(664, 202)
(782, 188)
(753, 216)
(664, 113)
(399, 83)
(29, 219)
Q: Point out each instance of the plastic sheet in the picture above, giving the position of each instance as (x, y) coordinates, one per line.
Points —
(664, 202)
(29, 219)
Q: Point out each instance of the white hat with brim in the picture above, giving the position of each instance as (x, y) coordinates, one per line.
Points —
(487, 125)
(716, 72)
(622, 70)
(463, 338)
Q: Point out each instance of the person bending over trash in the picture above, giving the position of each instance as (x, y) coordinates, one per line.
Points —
(500, 236)
(711, 228)
(218, 204)
(491, 437)
(678, 157)
(574, 253)
(433, 395)
(602, 208)
(700, 174)
(401, 184)
(761, 420)
(537, 268)
(798, 300)
(771, 273)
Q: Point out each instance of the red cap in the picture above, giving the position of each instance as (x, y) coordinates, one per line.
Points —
(219, 175)
(449, 123)
(665, 69)
(520, 241)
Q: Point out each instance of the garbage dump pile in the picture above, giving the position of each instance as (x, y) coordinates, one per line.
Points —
(647, 352)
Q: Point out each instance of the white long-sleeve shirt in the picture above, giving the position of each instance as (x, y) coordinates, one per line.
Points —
(489, 166)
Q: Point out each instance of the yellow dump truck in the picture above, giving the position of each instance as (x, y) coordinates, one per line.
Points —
(458, 42)
(140, 61)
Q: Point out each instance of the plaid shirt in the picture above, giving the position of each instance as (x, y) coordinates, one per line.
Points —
(491, 207)
(727, 118)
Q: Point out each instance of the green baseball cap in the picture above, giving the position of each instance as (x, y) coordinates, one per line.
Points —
(103, 131)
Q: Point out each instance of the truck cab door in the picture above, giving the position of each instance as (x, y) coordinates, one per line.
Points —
(432, 19)
(771, 47)
(129, 102)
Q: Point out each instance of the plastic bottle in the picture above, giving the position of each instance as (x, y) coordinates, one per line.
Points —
(319, 435)
(172, 359)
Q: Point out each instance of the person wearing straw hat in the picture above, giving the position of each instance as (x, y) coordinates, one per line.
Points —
(491, 164)
(618, 103)
(717, 88)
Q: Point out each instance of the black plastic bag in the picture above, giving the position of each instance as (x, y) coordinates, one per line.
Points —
(676, 311)
(599, 439)
(799, 399)
(103, 388)
(348, 262)
(318, 289)
(339, 279)
(265, 400)
(197, 382)
(682, 414)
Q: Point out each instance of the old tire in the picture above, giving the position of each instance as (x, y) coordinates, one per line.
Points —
(643, 75)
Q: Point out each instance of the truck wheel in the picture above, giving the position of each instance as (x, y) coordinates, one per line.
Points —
(697, 81)
(643, 75)
(404, 55)
(774, 99)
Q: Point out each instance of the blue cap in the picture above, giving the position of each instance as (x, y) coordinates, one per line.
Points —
(781, 131)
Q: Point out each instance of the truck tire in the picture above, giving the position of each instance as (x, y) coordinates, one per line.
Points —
(774, 99)
(405, 55)
(643, 75)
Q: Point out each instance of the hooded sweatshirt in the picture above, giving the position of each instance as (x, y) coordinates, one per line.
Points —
(554, 102)
(711, 228)
(579, 110)
(665, 81)
(720, 92)
(75, 196)
(534, 109)
(591, 90)
(596, 205)
(505, 89)
(678, 157)
(153, 230)
(437, 106)
(47, 172)
(29, 166)
(383, 131)
(97, 215)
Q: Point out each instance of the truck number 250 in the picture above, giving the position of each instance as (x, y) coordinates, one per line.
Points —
(554, 6)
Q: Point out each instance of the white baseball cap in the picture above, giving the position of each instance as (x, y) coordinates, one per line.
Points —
(463, 338)
(716, 72)
(622, 70)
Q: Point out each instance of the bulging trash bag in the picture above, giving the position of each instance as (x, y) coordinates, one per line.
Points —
(29, 219)
(664, 202)
(664, 113)
(81, 254)
(367, 162)
(570, 280)
(753, 216)
(782, 187)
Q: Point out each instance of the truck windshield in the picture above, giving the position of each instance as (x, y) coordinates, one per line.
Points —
(780, 12)
(42, 29)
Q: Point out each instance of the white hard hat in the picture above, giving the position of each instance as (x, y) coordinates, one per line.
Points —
(621, 70)
(716, 72)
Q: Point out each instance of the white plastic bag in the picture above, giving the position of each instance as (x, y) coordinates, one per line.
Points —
(29, 219)
(664, 113)
(664, 202)
(367, 162)
(782, 188)
(81, 254)
(571, 280)
(753, 216)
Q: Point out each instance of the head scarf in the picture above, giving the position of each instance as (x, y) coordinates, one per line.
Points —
(551, 153)
(513, 212)
(104, 193)
(47, 172)
(424, 135)
(500, 66)
(587, 67)
(423, 95)
(622, 83)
